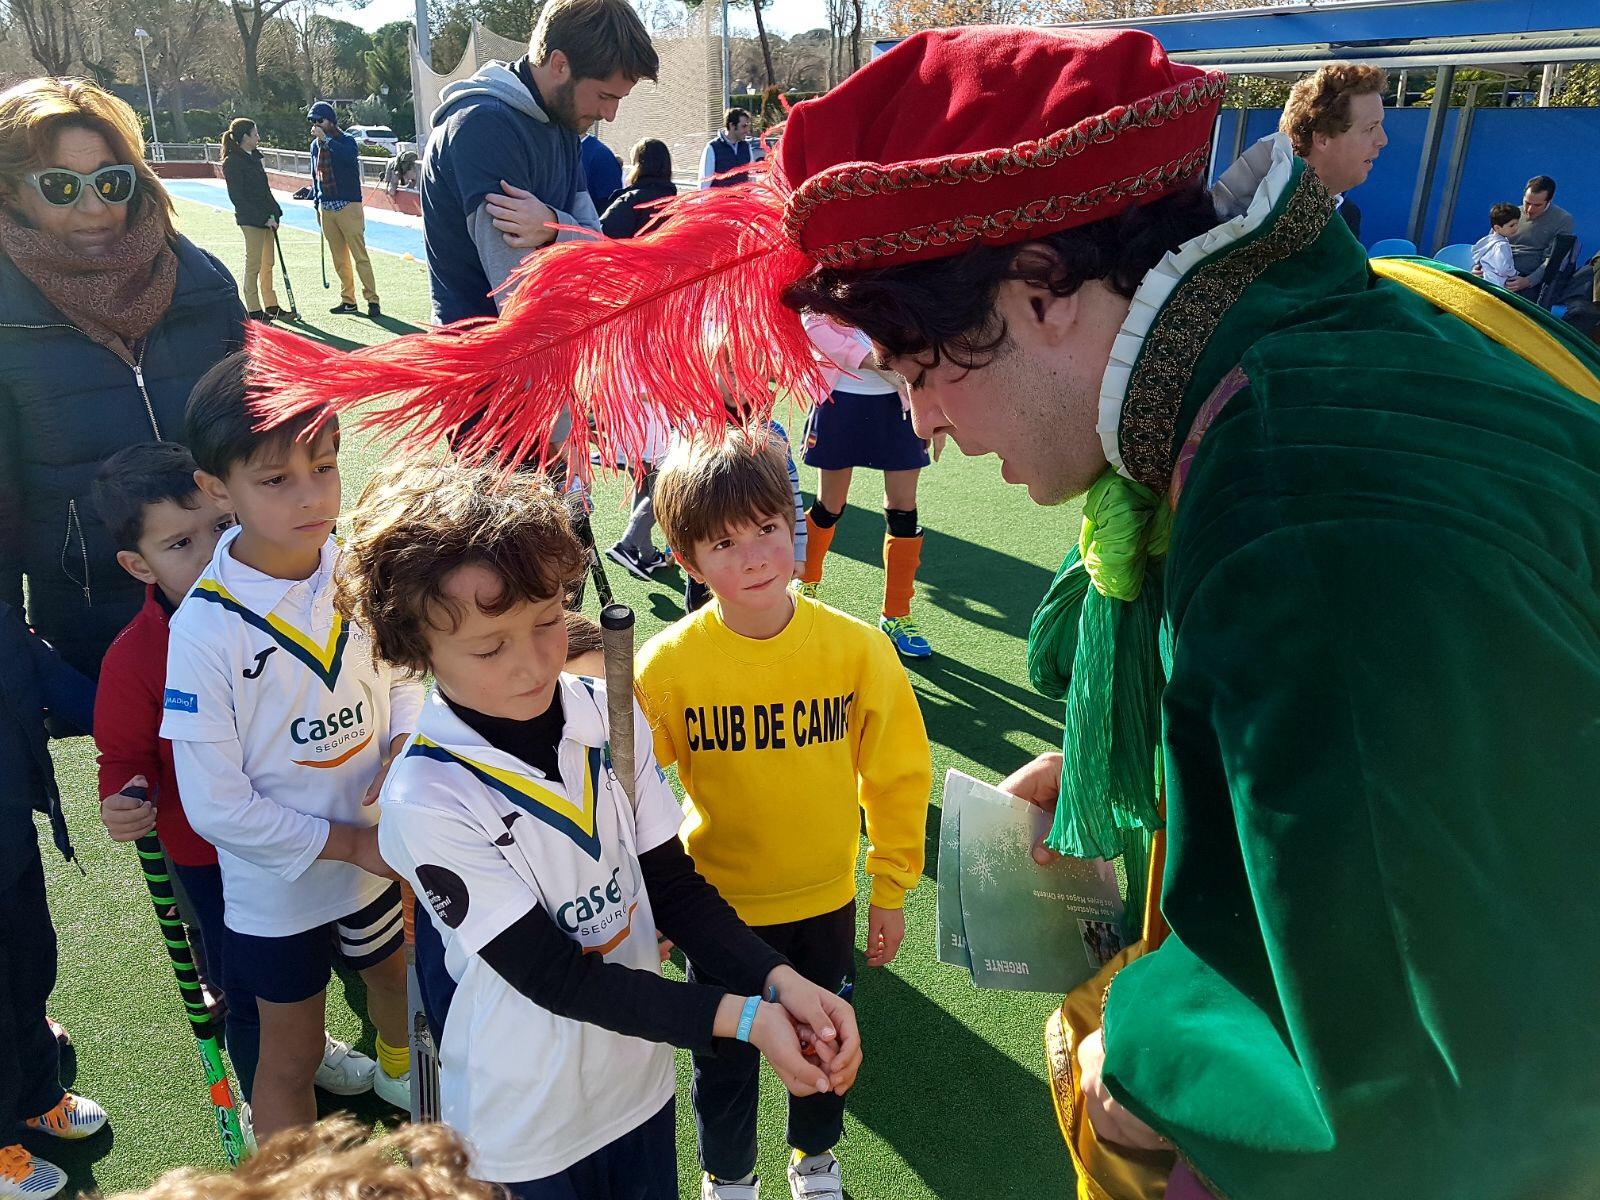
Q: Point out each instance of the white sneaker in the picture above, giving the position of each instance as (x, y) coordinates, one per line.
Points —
(815, 1177)
(24, 1177)
(396, 1089)
(713, 1189)
(344, 1072)
(247, 1128)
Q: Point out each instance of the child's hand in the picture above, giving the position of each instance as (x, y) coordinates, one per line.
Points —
(1112, 1122)
(775, 1035)
(358, 845)
(376, 785)
(886, 929)
(663, 946)
(128, 818)
(825, 1024)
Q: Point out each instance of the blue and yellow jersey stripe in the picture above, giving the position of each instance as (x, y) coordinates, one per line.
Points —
(324, 660)
(532, 796)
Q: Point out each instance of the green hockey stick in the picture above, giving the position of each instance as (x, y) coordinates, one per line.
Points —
(154, 863)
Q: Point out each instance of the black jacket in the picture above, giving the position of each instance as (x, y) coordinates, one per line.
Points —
(623, 217)
(66, 404)
(33, 681)
(253, 202)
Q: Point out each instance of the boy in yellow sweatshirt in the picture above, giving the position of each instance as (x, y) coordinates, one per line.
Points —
(786, 719)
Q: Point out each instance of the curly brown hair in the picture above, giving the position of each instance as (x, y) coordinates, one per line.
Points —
(1320, 102)
(335, 1160)
(417, 522)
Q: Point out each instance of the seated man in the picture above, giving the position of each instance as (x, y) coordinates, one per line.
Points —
(1542, 222)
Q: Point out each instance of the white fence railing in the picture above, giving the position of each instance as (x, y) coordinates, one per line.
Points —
(289, 162)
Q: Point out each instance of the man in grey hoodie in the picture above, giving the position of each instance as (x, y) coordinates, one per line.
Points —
(503, 165)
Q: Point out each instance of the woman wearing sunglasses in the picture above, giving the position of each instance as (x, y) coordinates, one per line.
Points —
(107, 317)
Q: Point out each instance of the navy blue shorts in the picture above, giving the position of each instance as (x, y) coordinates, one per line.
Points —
(642, 1164)
(863, 431)
(287, 970)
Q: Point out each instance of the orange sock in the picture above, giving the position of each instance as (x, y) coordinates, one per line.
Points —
(901, 558)
(818, 540)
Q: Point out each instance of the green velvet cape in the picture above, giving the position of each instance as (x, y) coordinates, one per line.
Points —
(1381, 738)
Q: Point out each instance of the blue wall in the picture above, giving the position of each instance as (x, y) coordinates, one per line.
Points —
(1508, 146)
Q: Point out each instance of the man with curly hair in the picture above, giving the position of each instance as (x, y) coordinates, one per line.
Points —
(1334, 120)
(1330, 627)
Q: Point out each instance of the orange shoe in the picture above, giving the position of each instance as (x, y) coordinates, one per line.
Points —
(72, 1119)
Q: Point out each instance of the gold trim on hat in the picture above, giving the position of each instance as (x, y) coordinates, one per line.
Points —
(863, 180)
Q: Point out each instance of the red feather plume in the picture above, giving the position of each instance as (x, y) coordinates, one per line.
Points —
(606, 328)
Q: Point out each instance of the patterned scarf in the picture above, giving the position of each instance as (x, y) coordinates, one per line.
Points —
(117, 297)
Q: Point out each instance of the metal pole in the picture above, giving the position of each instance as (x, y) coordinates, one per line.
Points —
(1547, 83)
(1454, 171)
(424, 46)
(727, 61)
(1444, 80)
(142, 37)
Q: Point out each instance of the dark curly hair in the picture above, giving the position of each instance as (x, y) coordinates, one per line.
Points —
(946, 306)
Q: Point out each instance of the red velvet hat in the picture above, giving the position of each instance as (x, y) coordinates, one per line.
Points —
(985, 135)
(990, 134)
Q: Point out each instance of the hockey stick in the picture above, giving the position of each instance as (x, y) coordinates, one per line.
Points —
(154, 863)
(424, 1057)
(294, 309)
(322, 241)
(616, 635)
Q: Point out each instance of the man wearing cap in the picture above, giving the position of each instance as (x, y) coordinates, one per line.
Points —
(1329, 637)
(336, 191)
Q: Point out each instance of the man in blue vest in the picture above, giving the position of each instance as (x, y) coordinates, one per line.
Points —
(732, 148)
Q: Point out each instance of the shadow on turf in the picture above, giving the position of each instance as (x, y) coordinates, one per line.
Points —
(939, 1088)
(304, 326)
(998, 591)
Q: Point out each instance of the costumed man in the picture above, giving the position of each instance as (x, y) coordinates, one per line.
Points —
(1334, 614)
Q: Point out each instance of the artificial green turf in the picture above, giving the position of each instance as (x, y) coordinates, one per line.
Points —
(951, 1102)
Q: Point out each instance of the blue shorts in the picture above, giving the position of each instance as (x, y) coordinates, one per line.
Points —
(287, 970)
(852, 430)
(642, 1164)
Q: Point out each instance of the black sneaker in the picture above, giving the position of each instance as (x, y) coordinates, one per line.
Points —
(631, 561)
(374, 311)
(275, 311)
(260, 314)
(343, 308)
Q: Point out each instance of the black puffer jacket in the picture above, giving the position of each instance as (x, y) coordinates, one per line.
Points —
(66, 404)
(253, 201)
(624, 216)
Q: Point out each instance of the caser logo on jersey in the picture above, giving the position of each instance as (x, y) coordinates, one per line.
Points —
(335, 737)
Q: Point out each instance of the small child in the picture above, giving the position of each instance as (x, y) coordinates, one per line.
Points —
(786, 720)
(1491, 256)
(545, 879)
(166, 530)
(281, 722)
(586, 648)
(34, 682)
(866, 423)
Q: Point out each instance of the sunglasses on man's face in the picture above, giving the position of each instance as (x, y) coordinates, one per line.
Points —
(63, 188)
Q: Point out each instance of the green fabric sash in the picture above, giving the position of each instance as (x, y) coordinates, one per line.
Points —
(1093, 643)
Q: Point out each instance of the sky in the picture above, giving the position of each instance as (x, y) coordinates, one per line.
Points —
(787, 17)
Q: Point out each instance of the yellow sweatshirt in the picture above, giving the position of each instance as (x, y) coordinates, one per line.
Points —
(779, 745)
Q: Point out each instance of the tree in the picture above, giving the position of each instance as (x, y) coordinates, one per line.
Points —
(50, 30)
(179, 31)
(388, 64)
(251, 16)
(1580, 87)
(761, 32)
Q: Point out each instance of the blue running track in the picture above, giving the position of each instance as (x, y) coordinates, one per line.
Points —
(298, 214)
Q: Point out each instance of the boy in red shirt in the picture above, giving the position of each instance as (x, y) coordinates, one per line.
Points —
(166, 530)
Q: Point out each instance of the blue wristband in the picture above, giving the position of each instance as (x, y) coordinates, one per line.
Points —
(747, 1017)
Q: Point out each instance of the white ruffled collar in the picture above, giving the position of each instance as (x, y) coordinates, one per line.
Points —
(1245, 196)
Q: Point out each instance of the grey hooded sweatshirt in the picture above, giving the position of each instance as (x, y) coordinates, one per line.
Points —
(489, 128)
